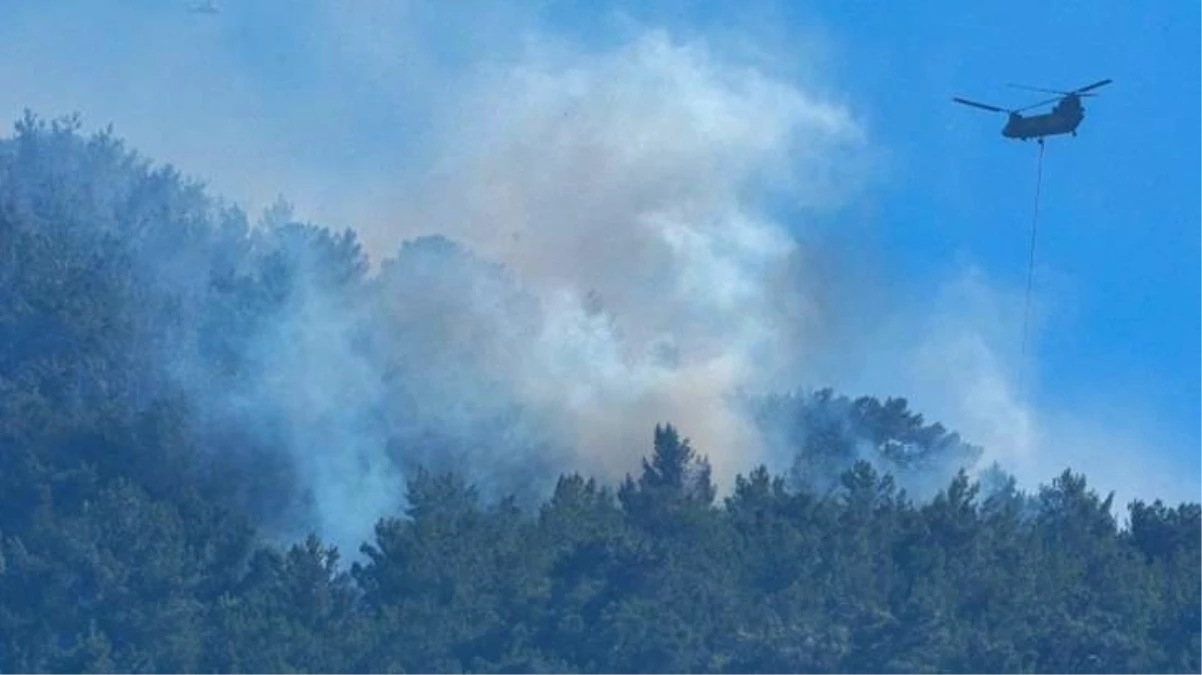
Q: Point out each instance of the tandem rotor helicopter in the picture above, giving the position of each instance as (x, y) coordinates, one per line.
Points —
(1064, 118)
(205, 7)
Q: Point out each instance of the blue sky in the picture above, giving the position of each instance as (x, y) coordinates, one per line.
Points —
(1117, 253)
(1118, 248)
(314, 98)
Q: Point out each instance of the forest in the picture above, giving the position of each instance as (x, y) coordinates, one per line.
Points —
(179, 461)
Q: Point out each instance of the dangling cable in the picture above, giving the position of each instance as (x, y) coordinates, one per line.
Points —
(1022, 363)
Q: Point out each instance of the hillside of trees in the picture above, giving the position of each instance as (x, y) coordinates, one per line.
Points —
(160, 471)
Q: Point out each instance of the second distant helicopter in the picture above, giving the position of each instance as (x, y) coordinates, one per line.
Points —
(205, 7)
(1064, 118)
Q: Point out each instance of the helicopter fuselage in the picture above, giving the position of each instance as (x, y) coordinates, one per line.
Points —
(1063, 119)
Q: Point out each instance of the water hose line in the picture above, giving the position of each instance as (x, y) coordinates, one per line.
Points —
(1022, 364)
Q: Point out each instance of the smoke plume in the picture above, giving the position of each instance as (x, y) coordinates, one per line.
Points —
(565, 244)
(625, 191)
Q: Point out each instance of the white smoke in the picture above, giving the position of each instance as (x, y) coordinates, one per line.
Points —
(626, 191)
(958, 358)
(631, 193)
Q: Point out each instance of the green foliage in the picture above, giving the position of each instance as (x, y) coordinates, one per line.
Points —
(133, 526)
(828, 434)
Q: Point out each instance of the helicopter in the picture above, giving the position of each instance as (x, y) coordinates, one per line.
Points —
(1064, 118)
(205, 7)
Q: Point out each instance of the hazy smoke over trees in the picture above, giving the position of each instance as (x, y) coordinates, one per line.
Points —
(608, 264)
(629, 277)
(605, 239)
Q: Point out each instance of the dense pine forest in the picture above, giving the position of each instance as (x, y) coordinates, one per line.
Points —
(175, 486)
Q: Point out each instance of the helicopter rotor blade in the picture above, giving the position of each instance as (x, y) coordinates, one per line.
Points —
(1036, 105)
(1041, 89)
(1079, 92)
(1095, 85)
(983, 106)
